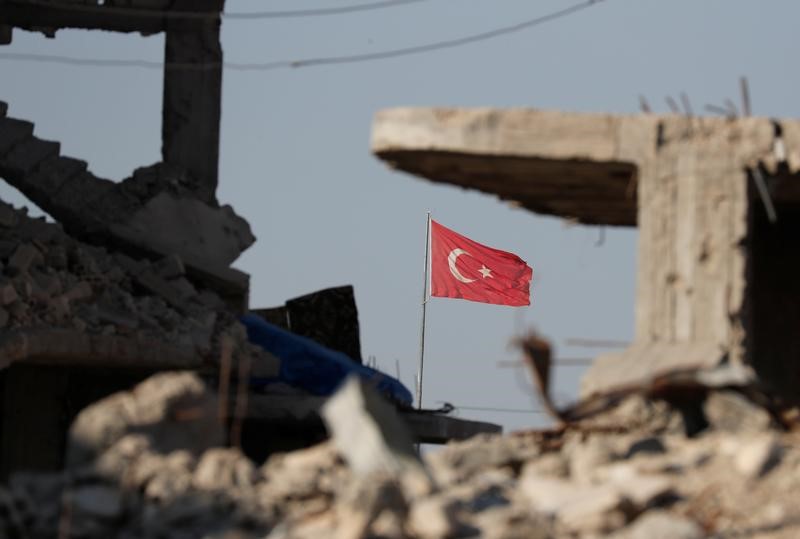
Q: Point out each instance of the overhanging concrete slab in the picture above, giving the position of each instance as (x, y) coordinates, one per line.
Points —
(577, 166)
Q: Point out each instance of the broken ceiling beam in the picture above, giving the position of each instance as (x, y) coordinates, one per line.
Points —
(143, 16)
(584, 167)
(577, 166)
(715, 273)
(154, 212)
(192, 66)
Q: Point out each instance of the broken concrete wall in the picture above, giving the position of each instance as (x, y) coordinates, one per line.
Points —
(160, 204)
(684, 181)
(693, 219)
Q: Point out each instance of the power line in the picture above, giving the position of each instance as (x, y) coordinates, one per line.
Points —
(308, 62)
(320, 11)
(237, 15)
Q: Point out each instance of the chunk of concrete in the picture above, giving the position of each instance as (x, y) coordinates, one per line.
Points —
(8, 216)
(8, 294)
(97, 501)
(23, 258)
(580, 506)
(170, 267)
(216, 236)
(368, 432)
(758, 456)
(25, 157)
(12, 132)
(174, 410)
(662, 525)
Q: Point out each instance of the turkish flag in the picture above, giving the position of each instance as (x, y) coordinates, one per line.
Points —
(465, 269)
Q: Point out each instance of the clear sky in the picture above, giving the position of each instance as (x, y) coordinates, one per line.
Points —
(295, 157)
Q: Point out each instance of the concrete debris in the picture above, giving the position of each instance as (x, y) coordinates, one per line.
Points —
(758, 456)
(161, 205)
(174, 410)
(149, 463)
(662, 525)
(50, 281)
(371, 437)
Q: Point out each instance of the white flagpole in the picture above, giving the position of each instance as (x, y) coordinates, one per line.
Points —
(424, 303)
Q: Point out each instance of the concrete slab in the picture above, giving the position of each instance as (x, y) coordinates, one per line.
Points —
(579, 166)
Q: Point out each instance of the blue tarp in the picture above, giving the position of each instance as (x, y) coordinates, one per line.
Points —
(310, 366)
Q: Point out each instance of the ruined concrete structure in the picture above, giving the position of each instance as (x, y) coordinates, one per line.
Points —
(716, 280)
(134, 277)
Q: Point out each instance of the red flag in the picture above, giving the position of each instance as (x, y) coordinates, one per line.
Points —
(465, 269)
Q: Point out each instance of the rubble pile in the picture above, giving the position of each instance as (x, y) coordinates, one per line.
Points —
(149, 463)
(50, 280)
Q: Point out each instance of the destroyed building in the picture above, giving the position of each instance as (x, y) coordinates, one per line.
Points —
(134, 276)
(714, 273)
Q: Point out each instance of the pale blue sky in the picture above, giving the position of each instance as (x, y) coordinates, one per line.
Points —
(295, 155)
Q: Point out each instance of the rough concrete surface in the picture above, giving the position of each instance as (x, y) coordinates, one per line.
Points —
(141, 468)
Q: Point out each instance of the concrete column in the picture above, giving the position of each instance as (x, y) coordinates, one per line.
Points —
(192, 96)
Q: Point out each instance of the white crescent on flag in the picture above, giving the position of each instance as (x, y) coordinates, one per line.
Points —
(451, 261)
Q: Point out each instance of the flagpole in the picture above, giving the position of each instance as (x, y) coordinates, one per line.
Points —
(424, 303)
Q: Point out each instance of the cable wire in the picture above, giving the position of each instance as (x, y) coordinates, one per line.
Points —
(308, 62)
(202, 15)
(319, 11)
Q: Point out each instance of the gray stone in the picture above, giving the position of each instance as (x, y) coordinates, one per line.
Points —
(25, 157)
(100, 502)
(158, 286)
(552, 464)
(172, 480)
(642, 490)
(12, 132)
(362, 502)
(586, 457)
(579, 506)
(183, 287)
(19, 311)
(432, 518)
(170, 267)
(49, 284)
(733, 412)
(8, 216)
(174, 411)
(367, 431)
(224, 469)
(758, 456)
(190, 228)
(78, 292)
(662, 525)
(23, 258)
(8, 294)
(56, 257)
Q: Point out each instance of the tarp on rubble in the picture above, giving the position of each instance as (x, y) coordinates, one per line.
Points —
(310, 366)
